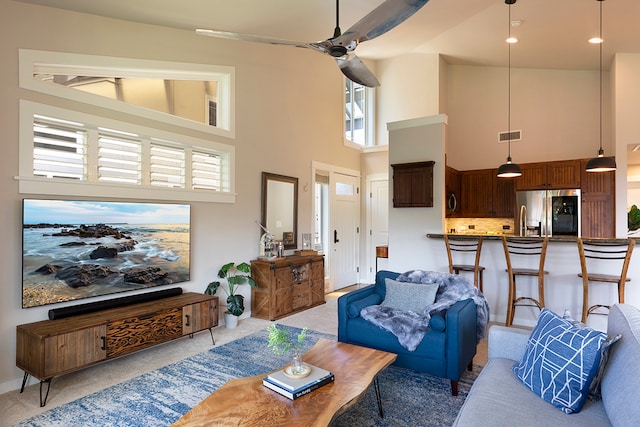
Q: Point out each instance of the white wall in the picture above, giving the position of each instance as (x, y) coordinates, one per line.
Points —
(411, 89)
(289, 112)
(557, 111)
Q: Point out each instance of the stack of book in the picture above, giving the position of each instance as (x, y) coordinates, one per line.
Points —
(295, 388)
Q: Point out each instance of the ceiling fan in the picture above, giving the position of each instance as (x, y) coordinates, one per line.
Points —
(341, 46)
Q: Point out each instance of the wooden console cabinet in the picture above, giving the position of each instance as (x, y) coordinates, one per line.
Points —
(286, 285)
(50, 348)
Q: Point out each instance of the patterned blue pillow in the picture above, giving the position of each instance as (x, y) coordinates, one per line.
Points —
(560, 361)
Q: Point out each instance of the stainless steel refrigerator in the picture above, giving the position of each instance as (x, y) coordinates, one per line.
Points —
(548, 213)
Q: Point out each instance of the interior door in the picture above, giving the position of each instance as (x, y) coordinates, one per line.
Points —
(378, 218)
(345, 228)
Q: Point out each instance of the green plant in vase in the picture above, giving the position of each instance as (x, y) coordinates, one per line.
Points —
(633, 218)
(235, 275)
(282, 341)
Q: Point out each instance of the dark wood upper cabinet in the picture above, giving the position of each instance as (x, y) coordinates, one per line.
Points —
(476, 188)
(504, 196)
(452, 191)
(413, 185)
(549, 175)
(483, 194)
(564, 174)
(534, 177)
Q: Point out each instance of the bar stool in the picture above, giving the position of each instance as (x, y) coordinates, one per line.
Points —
(469, 244)
(523, 248)
(616, 250)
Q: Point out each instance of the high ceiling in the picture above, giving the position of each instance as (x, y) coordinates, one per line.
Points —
(553, 33)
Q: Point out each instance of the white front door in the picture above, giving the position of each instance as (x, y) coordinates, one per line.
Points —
(344, 229)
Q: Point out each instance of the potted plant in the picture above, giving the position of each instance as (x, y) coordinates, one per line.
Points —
(281, 341)
(236, 275)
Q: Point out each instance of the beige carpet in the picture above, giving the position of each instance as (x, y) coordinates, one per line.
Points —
(15, 406)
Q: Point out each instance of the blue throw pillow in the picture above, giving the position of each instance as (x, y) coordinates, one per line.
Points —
(560, 361)
(408, 296)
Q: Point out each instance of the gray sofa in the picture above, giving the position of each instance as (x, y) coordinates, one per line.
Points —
(498, 398)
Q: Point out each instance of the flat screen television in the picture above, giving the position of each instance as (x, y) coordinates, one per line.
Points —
(80, 249)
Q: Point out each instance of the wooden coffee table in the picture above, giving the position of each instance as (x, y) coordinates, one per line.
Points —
(246, 402)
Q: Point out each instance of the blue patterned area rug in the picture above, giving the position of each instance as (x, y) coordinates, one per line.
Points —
(160, 397)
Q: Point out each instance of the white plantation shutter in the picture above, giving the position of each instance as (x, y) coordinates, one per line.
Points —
(167, 166)
(59, 151)
(119, 160)
(206, 171)
(74, 155)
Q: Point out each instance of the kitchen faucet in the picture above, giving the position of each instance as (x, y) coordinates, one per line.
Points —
(523, 220)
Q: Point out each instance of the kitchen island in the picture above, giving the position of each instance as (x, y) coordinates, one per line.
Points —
(563, 287)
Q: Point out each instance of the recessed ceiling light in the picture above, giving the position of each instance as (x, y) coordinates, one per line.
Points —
(512, 40)
(595, 40)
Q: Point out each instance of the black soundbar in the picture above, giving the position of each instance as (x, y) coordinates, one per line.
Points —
(59, 313)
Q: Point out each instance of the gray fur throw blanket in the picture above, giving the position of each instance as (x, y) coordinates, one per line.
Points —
(411, 327)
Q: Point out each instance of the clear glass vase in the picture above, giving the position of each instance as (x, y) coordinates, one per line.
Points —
(297, 366)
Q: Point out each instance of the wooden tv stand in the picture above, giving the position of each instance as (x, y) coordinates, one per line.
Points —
(50, 348)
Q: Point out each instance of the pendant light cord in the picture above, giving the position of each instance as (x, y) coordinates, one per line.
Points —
(601, 43)
(509, 90)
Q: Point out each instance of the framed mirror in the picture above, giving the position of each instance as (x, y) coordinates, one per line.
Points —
(280, 208)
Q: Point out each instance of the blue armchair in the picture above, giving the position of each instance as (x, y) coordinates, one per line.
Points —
(445, 351)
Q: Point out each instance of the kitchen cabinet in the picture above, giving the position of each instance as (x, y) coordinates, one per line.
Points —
(549, 175)
(504, 196)
(50, 348)
(452, 192)
(286, 285)
(476, 193)
(598, 203)
(483, 194)
(413, 184)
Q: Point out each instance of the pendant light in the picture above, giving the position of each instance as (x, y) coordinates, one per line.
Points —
(601, 163)
(509, 169)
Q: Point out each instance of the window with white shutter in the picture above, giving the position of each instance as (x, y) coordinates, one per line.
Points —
(206, 171)
(66, 152)
(167, 166)
(119, 160)
(59, 149)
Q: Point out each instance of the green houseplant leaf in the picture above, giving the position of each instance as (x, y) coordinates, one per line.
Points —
(235, 304)
(634, 218)
(235, 276)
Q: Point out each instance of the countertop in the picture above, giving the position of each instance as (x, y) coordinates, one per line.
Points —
(489, 236)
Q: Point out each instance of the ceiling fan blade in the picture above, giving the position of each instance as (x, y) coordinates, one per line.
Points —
(385, 17)
(258, 39)
(357, 71)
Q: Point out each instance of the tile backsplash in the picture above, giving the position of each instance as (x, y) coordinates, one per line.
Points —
(479, 225)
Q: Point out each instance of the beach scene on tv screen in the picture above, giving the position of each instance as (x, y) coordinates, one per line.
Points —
(80, 249)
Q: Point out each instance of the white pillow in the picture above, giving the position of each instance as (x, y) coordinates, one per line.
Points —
(409, 296)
